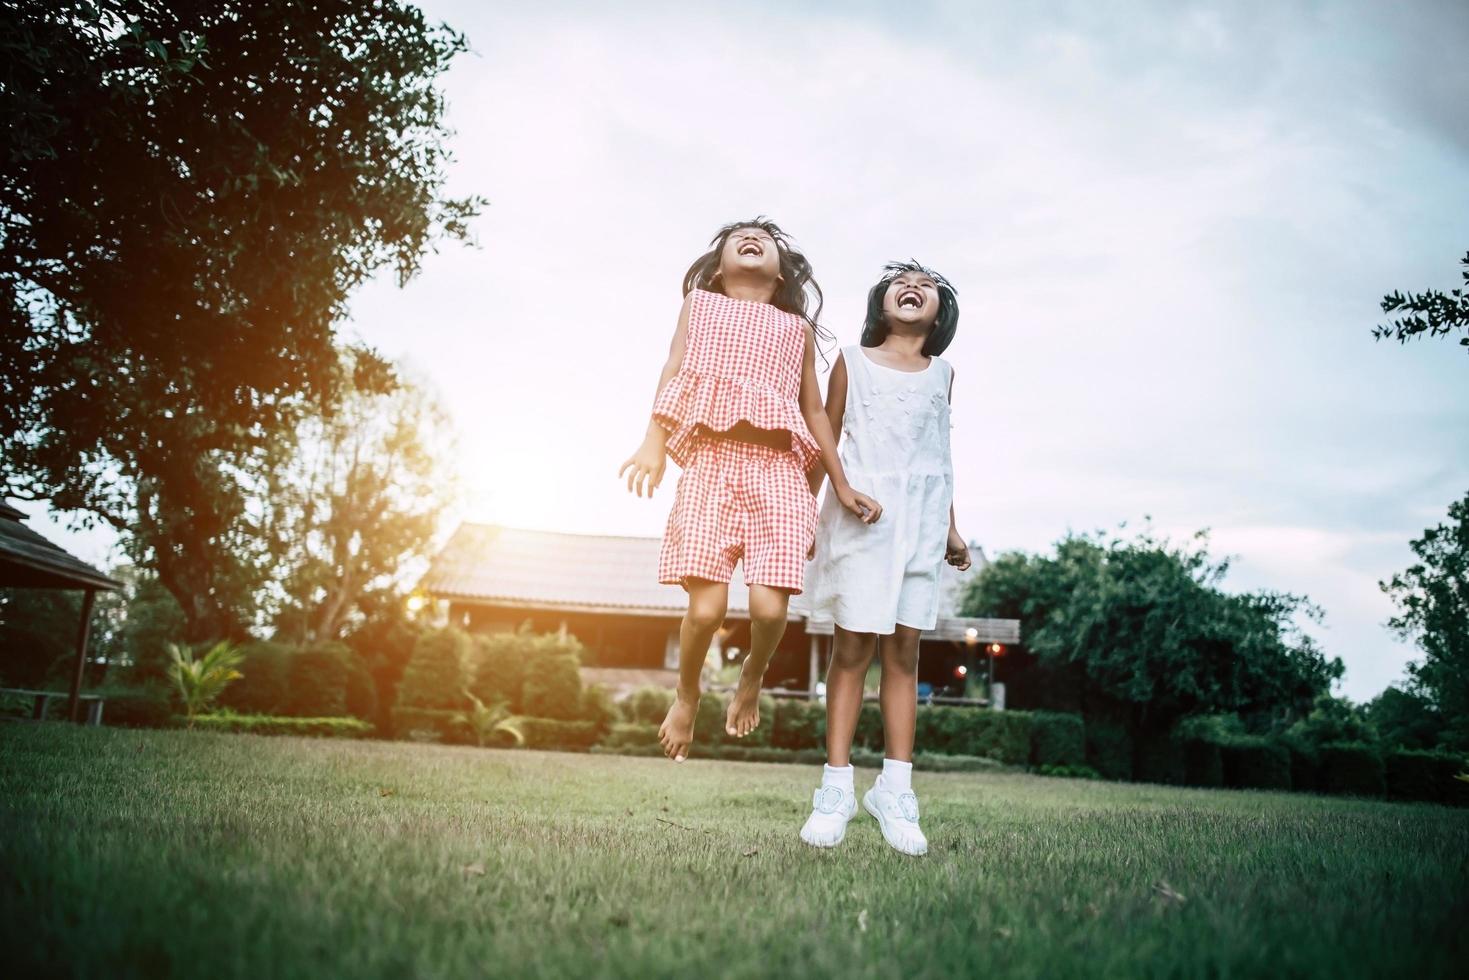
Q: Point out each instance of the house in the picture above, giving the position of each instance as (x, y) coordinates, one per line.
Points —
(604, 590)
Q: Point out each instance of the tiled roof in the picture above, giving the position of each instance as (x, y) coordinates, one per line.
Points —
(28, 560)
(608, 573)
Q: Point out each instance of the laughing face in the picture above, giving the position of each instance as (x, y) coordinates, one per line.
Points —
(750, 253)
(912, 301)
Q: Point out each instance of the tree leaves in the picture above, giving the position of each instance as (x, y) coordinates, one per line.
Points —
(191, 192)
(1431, 312)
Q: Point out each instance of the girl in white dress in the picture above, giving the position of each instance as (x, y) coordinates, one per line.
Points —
(888, 402)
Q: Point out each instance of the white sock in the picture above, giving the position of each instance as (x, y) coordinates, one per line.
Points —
(897, 775)
(838, 776)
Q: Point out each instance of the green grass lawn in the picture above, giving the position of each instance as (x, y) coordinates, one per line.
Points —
(189, 854)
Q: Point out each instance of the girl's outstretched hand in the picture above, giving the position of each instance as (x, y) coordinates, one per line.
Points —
(644, 468)
(860, 504)
(957, 551)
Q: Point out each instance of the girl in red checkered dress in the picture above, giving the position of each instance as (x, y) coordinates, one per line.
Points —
(739, 409)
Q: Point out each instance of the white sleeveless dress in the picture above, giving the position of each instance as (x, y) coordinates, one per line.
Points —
(894, 446)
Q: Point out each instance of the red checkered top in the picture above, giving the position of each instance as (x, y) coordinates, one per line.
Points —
(742, 363)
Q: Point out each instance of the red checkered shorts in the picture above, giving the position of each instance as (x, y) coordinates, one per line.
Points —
(738, 500)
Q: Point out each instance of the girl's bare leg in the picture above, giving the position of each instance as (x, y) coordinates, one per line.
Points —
(707, 603)
(850, 655)
(899, 692)
(768, 608)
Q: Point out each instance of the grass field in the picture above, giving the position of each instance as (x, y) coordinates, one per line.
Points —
(186, 854)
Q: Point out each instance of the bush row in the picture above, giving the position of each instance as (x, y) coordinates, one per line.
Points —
(228, 721)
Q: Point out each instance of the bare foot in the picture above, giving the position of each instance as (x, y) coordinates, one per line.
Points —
(677, 730)
(743, 716)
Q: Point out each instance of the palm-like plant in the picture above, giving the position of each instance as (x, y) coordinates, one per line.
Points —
(487, 721)
(200, 680)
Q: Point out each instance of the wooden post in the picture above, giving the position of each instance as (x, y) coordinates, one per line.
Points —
(84, 631)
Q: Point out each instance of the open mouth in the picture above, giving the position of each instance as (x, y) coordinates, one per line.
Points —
(751, 248)
(910, 299)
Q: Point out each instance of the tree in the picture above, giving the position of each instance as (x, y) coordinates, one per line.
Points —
(1405, 718)
(1430, 312)
(191, 192)
(1432, 596)
(359, 499)
(1143, 632)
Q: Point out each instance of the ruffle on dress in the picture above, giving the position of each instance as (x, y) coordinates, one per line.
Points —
(690, 400)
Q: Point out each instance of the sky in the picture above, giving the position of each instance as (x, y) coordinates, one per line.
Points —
(1170, 226)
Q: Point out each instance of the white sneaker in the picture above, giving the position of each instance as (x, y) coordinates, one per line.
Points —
(831, 809)
(897, 814)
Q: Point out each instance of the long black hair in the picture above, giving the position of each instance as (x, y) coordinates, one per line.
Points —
(875, 327)
(796, 292)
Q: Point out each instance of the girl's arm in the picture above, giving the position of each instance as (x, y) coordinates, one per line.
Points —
(957, 550)
(811, 408)
(836, 410)
(645, 467)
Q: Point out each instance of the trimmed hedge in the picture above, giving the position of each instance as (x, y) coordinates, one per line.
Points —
(1001, 735)
(1161, 759)
(629, 735)
(1057, 739)
(1352, 768)
(1255, 763)
(436, 673)
(558, 733)
(552, 688)
(1305, 765)
(798, 725)
(647, 705)
(318, 679)
(1109, 750)
(1203, 764)
(432, 725)
(1412, 774)
(148, 706)
(264, 687)
(280, 725)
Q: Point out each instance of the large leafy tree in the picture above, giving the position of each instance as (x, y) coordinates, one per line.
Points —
(1431, 313)
(192, 189)
(359, 500)
(1141, 627)
(1432, 596)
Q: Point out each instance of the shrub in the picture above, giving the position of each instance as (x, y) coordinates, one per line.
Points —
(798, 724)
(630, 734)
(552, 688)
(432, 725)
(504, 663)
(1001, 735)
(435, 675)
(1109, 749)
(1412, 774)
(647, 705)
(319, 682)
(361, 689)
(1202, 763)
(278, 725)
(1305, 764)
(709, 720)
(1255, 763)
(145, 706)
(1057, 739)
(1161, 758)
(1351, 768)
(597, 708)
(499, 671)
(264, 686)
(869, 734)
(1069, 772)
(557, 733)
